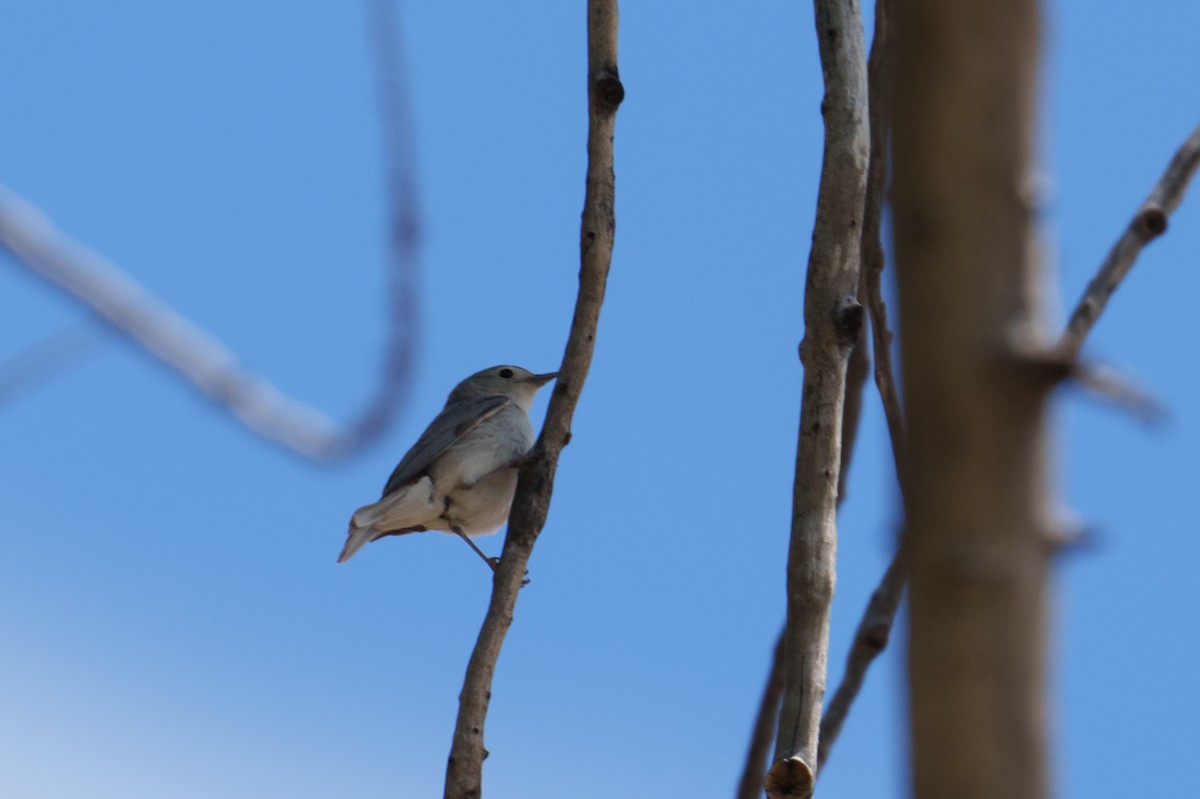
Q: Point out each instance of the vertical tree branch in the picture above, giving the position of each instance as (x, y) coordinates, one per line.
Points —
(832, 319)
(874, 630)
(975, 471)
(464, 770)
(404, 228)
(750, 786)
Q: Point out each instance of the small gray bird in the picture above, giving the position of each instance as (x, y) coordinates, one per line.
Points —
(461, 474)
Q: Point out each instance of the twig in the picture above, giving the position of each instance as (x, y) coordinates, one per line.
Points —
(871, 637)
(857, 369)
(1147, 224)
(44, 359)
(195, 355)
(832, 320)
(763, 735)
(464, 769)
(879, 68)
(404, 230)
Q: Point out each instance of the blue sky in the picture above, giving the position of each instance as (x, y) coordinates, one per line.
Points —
(172, 621)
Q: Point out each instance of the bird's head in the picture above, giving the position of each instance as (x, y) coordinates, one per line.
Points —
(509, 381)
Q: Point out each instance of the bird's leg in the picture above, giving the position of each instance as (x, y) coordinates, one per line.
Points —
(493, 563)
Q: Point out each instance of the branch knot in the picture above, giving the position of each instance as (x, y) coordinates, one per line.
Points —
(608, 89)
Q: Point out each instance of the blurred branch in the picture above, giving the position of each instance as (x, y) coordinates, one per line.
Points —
(1147, 224)
(978, 497)
(870, 639)
(832, 320)
(464, 769)
(44, 359)
(763, 735)
(857, 369)
(199, 358)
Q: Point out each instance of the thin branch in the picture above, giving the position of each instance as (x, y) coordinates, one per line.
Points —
(763, 735)
(871, 637)
(857, 369)
(404, 230)
(750, 786)
(464, 769)
(44, 359)
(832, 319)
(198, 357)
(1147, 224)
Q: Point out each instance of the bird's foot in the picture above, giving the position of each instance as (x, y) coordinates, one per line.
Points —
(495, 564)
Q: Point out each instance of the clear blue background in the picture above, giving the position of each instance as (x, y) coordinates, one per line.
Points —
(172, 622)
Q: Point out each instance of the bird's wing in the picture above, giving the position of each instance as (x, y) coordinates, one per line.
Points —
(454, 422)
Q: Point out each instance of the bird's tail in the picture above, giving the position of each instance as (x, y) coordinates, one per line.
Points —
(363, 530)
(402, 511)
(356, 540)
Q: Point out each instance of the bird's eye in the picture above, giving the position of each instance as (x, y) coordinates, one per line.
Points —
(506, 373)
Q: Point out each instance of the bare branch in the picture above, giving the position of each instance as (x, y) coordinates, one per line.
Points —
(162, 332)
(44, 359)
(763, 735)
(200, 359)
(857, 369)
(464, 770)
(871, 637)
(832, 319)
(1147, 224)
(404, 232)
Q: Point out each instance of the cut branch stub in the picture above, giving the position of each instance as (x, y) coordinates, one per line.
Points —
(790, 778)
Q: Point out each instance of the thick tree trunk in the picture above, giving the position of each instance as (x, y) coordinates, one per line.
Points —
(976, 384)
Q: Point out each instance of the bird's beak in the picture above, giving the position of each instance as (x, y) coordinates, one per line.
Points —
(541, 380)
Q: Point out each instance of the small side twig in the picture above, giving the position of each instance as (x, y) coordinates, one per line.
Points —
(750, 786)
(870, 639)
(44, 359)
(1147, 224)
(464, 768)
